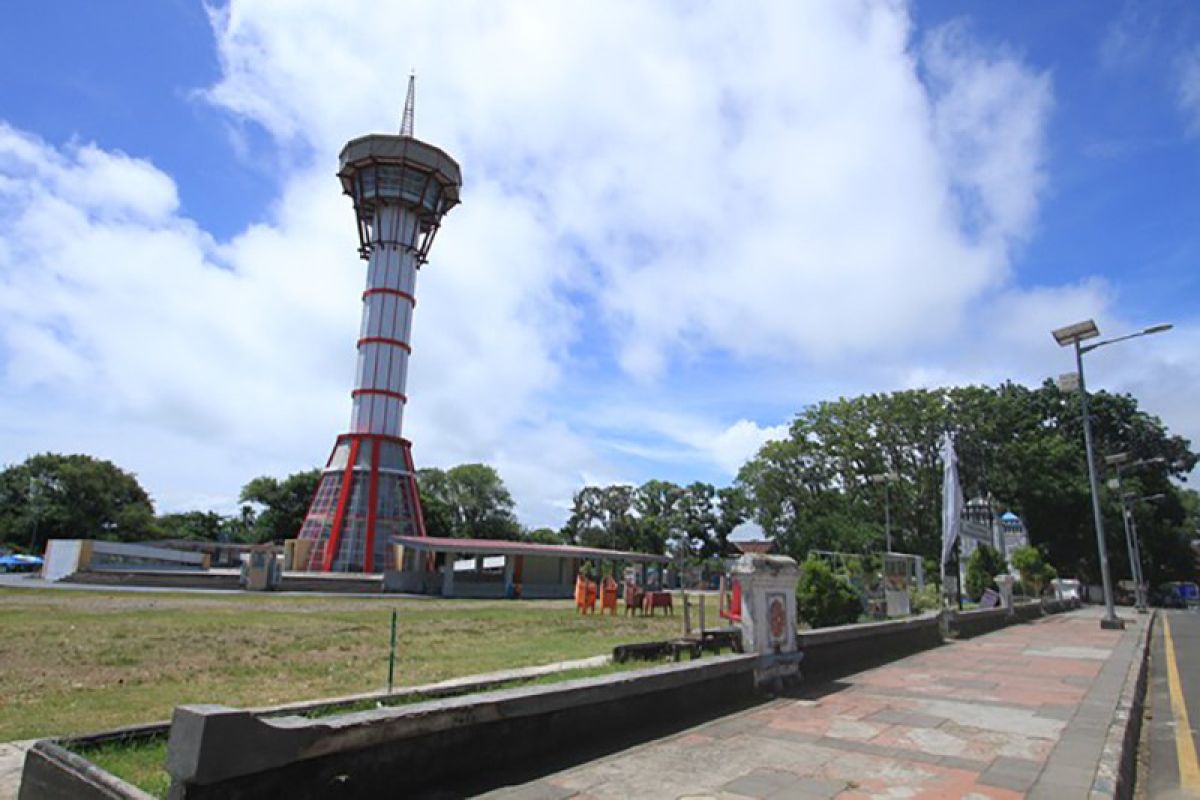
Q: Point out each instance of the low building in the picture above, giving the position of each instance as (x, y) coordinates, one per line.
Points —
(68, 557)
(500, 568)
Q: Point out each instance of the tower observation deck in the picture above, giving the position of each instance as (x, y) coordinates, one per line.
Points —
(401, 187)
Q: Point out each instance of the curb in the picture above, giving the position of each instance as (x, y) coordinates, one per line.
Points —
(1117, 769)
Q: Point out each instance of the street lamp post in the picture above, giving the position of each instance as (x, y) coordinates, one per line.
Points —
(886, 478)
(1073, 335)
(1127, 501)
(1119, 463)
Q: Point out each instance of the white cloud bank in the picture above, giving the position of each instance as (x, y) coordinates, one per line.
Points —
(777, 186)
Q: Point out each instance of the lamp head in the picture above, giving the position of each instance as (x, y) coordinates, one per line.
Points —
(1076, 333)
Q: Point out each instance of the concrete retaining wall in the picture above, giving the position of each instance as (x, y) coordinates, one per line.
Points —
(52, 771)
(967, 624)
(844, 649)
(218, 752)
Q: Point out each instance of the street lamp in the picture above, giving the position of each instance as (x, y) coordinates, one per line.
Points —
(1119, 463)
(886, 478)
(1127, 502)
(1071, 336)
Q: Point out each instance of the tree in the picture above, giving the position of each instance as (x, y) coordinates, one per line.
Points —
(543, 536)
(1024, 446)
(467, 501)
(823, 598)
(208, 526)
(732, 510)
(1033, 568)
(53, 496)
(659, 509)
(982, 568)
(435, 507)
(604, 516)
(203, 526)
(283, 504)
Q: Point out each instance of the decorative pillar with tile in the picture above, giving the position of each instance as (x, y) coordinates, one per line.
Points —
(768, 587)
(1005, 582)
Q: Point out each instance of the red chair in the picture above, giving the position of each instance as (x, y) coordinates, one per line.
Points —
(654, 600)
(608, 595)
(731, 601)
(633, 598)
(585, 594)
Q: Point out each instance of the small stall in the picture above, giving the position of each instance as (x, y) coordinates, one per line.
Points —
(500, 568)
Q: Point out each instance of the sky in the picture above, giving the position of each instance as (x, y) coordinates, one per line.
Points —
(681, 224)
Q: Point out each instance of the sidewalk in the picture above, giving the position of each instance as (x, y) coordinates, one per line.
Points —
(1022, 712)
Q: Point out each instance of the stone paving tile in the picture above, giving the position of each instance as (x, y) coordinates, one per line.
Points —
(1064, 713)
(536, 790)
(761, 783)
(811, 789)
(1012, 773)
(12, 761)
(911, 719)
(1023, 711)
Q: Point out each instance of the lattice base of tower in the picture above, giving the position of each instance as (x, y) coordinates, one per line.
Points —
(367, 494)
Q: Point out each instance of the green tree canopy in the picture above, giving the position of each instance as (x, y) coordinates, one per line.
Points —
(1024, 446)
(53, 496)
(467, 501)
(656, 517)
(982, 568)
(282, 504)
(208, 526)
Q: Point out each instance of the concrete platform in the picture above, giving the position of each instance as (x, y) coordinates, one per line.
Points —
(1027, 711)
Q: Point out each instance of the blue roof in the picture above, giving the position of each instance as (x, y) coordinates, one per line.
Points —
(1008, 516)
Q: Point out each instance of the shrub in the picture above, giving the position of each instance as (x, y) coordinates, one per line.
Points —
(927, 599)
(1035, 572)
(982, 567)
(824, 599)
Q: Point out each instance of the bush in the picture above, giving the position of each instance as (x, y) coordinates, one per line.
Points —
(1035, 572)
(982, 568)
(927, 599)
(824, 599)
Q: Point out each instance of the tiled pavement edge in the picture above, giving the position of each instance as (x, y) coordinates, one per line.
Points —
(1037, 710)
(1115, 772)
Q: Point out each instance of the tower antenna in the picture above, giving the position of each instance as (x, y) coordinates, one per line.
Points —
(406, 122)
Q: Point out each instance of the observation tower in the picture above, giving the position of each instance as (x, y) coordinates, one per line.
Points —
(401, 187)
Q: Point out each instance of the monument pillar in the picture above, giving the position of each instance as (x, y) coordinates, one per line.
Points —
(768, 586)
(1005, 584)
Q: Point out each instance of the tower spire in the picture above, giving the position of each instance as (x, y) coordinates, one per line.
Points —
(406, 122)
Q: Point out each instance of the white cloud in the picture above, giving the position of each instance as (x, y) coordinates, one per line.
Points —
(1189, 88)
(798, 187)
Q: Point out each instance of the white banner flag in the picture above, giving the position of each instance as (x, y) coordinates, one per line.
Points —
(952, 500)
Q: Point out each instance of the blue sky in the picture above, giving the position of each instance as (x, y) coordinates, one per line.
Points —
(660, 256)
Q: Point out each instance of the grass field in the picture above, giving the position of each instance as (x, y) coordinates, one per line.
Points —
(73, 662)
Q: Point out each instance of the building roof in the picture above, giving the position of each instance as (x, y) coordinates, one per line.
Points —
(491, 547)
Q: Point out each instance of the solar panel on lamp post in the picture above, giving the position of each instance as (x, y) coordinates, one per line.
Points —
(1072, 336)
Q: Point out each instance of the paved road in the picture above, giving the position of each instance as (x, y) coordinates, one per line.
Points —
(1172, 771)
(1020, 713)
